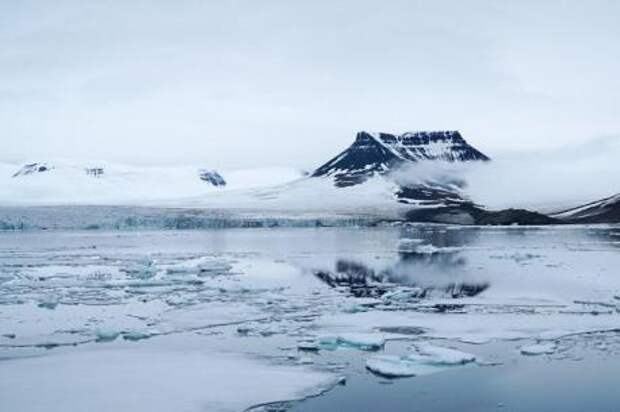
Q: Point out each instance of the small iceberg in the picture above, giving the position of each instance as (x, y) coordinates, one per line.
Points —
(427, 359)
(443, 356)
(362, 341)
(539, 349)
(106, 335)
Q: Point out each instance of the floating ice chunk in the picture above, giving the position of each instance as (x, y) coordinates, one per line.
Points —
(427, 359)
(200, 267)
(442, 356)
(397, 366)
(363, 341)
(433, 250)
(106, 335)
(354, 309)
(539, 349)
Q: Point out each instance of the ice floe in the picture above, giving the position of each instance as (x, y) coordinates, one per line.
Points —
(362, 341)
(543, 348)
(425, 360)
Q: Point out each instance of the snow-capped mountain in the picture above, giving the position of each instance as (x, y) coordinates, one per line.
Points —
(602, 211)
(382, 153)
(370, 176)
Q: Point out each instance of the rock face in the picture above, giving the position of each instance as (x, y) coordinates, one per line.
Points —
(94, 171)
(381, 153)
(213, 177)
(33, 168)
(470, 214)
(602, 211)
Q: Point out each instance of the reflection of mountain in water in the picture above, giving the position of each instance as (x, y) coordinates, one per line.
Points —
(361, 281)
(430, 264)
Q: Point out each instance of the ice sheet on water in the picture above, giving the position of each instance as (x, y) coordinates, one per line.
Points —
(542, 348)
(439, 355)
(425, 360)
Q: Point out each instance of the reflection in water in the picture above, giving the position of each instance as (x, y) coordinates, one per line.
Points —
(361, 281)
(426, 261)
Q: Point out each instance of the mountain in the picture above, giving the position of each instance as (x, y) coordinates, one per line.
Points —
(381, 153)
(369, 178)
(601, 211)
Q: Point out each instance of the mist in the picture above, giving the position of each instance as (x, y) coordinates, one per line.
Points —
(544, 180)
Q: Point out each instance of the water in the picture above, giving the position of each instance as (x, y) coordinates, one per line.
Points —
(214, 320)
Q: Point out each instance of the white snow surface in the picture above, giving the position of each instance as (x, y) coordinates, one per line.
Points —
(69, 184)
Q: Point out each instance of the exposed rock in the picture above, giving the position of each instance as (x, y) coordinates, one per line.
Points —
(213, 177)
(470, 214)
(602, 211)
(33, 168)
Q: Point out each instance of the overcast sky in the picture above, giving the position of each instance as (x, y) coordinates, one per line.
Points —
(249, 83)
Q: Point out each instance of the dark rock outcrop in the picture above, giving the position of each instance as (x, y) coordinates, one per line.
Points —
(470, 214)
(213, 177)
(602, 211)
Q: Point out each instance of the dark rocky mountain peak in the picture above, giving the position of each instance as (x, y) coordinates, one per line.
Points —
(380, 153)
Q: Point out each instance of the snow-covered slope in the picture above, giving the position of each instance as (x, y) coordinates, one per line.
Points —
(602, 211)
(103, 183)
(307, 195)
(382, 153)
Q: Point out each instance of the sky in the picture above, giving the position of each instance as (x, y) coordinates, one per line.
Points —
(236, 84)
